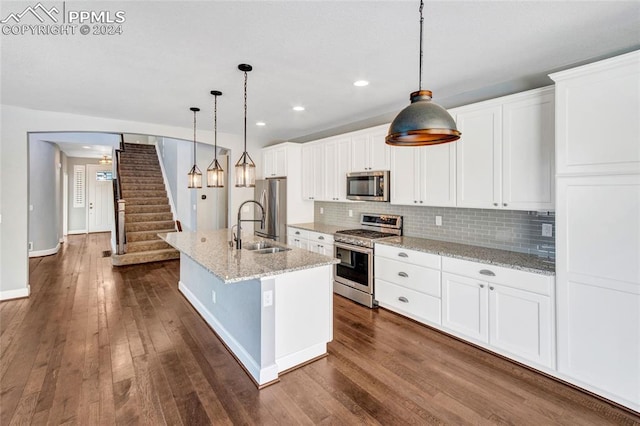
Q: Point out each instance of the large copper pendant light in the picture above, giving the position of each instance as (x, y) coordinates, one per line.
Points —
(195, 176)
(215, 173)
(423, 122)
(245, 167)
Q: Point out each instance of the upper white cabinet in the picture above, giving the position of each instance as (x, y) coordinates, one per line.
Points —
(337, 153)
(598, 125)
(369, 150)
(274, 161)
(424, 175)
(313, 171)
(505, 158)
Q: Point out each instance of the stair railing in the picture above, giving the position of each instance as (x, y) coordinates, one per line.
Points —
(119, 205)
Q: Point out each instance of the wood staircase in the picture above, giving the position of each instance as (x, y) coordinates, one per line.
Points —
(147, 209)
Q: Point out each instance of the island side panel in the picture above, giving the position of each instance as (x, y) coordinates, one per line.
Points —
(303, 315)
(236, 315)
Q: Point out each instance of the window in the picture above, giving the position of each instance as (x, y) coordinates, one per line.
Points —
(102, 175)
(78, 186)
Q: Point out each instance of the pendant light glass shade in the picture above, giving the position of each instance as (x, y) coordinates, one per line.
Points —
(215, 173)
(423, 122)
(195, 175)
(245, 167)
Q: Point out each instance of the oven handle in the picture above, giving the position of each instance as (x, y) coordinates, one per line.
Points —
(358, 249)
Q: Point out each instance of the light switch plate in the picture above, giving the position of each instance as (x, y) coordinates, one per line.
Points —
(438, 220)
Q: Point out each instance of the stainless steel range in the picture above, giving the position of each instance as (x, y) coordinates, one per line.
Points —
(353, 276)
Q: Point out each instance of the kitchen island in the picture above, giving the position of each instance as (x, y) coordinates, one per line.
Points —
(273, 311)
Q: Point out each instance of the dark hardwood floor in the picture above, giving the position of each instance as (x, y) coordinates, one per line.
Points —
(98, 345)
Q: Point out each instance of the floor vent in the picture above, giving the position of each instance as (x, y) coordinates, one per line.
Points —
(106, 253)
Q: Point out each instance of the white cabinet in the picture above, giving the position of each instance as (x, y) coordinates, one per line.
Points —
(274, 161)
(598, 227)
(313, 171)
(408, 282)
(369, 150)
(315, 242)
(424, 176)
(510, 311)
(505, 157)
(337, 153)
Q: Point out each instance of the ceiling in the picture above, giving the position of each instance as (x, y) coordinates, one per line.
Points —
(170, 55)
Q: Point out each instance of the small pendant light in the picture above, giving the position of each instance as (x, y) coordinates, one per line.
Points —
(423, 122)
(195, 176)
(105, 160)
(215, 173)
(245, 167)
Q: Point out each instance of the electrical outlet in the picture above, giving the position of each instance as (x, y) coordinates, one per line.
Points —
(267, 298)
(213, 296)
(547, 230)
(194, 207)
(30, 207)
(438, 220)
(321, 210)
(350, 213)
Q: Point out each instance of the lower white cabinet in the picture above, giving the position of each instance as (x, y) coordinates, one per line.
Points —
(316, 242)
(408, 282)
(510, 311)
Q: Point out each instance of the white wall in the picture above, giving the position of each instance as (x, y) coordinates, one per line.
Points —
(17, 122)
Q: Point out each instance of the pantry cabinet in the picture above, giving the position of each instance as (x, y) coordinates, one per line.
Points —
(598, 227)
(424, 176)
(369, 150)
(505, 157)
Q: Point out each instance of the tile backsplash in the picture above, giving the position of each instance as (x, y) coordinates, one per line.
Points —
(512, 230)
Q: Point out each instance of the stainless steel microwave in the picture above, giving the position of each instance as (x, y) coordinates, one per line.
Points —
(368, 186)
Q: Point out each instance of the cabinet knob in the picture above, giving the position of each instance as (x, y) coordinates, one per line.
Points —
(321, 237)
(414, 201)
(495, 204)
(490, 288)
(403, 254)
(504, 204)
(403, 274)
(421, 201)
(481, 285)
(403, 299)
(297, 232)
(487, 272)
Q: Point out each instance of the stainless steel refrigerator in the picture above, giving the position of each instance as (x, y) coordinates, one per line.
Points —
(272, 194)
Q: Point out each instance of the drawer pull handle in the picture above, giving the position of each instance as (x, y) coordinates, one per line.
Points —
(403, 299)
(403, 254)
(487, 272)
(297, 232)
(321, 237)
(403, 274)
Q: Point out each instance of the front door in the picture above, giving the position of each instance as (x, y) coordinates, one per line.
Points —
(100, 195)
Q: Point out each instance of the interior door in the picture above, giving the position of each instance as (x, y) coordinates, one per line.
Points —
(100, 196)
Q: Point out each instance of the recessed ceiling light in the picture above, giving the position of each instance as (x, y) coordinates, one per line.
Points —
(298, 108)
(86, 147)
(361, 83)
(261, 123)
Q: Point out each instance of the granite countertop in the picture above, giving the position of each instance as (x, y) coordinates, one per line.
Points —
(211, 250)
(319, 227)
(507, 259)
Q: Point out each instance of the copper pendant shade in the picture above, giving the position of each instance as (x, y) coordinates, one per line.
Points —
(423, 122)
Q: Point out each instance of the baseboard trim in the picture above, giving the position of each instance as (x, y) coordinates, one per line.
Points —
(77, 232)
(15, 294)
(48, 252)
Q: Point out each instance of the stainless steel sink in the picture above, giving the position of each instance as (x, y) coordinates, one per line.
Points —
(258, 245)
(271, 250)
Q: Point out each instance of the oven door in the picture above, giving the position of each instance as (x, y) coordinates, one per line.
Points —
(355, 268)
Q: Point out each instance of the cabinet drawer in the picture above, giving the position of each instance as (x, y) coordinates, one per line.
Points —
(536, 283)
(418, 306)
(298, 233)
(409, 256)
(424, 280)
(319, 237)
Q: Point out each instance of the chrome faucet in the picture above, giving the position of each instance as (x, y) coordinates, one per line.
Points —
(238, 238)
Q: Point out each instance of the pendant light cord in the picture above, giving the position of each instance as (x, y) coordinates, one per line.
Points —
(194, 138)
(245, 113)
(421, 26)
(215, 128)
